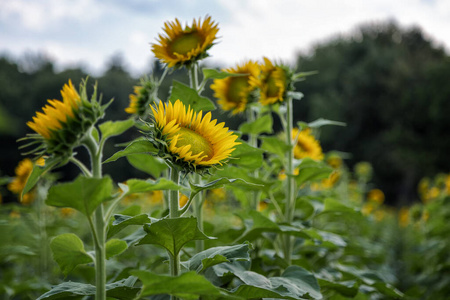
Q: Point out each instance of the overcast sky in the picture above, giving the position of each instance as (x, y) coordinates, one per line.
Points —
(89, 32)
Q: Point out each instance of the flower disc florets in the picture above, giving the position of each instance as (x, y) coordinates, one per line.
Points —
(62, 124)
(234, 92)
(185, 46)
(188, 139)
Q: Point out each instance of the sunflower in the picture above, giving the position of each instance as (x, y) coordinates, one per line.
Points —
(274, 82)
(184, 46)
(188, 139)
(23, 171)
(306, 145)
(376, 196)
(56, 112)
(143, 96)
(62, 124)
(234, 92)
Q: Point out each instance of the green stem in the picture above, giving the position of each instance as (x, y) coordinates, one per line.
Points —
(99, 228)
(174, 212)
(81, 166)
(198, 213)
(253, 141)
(174, 208)
(193, 76)
(290, 186)
(198, 203)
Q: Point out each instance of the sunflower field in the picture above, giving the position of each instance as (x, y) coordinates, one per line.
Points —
(254, 213)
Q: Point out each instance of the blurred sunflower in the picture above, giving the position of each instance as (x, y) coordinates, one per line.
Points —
(234, 92)
(185, 46)
(23, 171)
(306, 145)
(63, 123)
(274, 82)
(144, 95)
(188, 139)
(376, 196)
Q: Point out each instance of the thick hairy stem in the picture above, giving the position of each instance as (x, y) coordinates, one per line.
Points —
(290, 186)
(99, 228)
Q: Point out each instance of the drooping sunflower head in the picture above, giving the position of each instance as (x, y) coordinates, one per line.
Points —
(306, 145)
(190, 140)
(183, 46)
(63, 123)
(234, 92)
(144, 95)
(274, 82)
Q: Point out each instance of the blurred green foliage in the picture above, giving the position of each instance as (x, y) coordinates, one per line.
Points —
(389, 85)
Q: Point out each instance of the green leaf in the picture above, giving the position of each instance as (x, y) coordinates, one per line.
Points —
(215, 74)
(68, 251)
(148, 164)
(345, 288)
(216, 255)
(123, 221)
(295, 95)
(190, 97)
(139, 146)
(243, 174)
(38, 171)
(115, 247)
(142, 186)
(189, 285)
(261, 125)
(197, 188)
(332, 205)
(172, 234)
(259, 224)
(325, 236)
(311, 170)
(247, 156)
(371, 278)
(84, 194)
(122, 290)
(322, 122)
(294, 283)
(110, 128)
(274, 145)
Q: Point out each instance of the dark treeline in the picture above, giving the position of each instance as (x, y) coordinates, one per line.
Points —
(389, 84)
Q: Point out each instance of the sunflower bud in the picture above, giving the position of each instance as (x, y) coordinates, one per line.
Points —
(63, 123)
(144, 95)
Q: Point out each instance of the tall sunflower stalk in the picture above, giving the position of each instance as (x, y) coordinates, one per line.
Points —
(61, 127)
(200, 197)
(191, 143)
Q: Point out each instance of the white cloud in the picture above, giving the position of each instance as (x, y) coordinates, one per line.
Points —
(93, 30)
